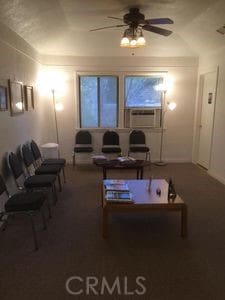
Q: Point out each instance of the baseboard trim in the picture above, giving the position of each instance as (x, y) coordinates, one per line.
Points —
(175, 160)
(217, 176)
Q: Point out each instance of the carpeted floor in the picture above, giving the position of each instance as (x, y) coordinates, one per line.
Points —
(139, 245)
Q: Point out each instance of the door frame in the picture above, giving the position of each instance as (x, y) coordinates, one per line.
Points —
(199, 113)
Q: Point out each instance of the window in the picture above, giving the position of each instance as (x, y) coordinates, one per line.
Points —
(98, 101)
(141, 91)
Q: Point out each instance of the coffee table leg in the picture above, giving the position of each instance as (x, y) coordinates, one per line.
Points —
(142, 172)
(105, 224)
(137, 173)
(184, 221)
(104, 173)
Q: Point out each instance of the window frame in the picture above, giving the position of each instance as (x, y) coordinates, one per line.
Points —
(116, 76)
(120, 73)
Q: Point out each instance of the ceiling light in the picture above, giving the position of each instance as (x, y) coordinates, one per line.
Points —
(133, 42)
(132, 38)
(141, 40)
(124, 42)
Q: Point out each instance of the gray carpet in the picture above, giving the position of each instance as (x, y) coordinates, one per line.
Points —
(139, 245)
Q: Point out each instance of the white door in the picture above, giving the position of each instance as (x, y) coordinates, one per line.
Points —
(207, 118)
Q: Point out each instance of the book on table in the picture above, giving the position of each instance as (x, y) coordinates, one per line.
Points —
(116, 185)
(126, 159)
(119, 196)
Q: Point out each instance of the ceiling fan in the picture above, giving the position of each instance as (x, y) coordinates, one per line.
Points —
(136, 20)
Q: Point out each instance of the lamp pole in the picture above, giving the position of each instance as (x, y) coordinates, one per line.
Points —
(56, 123)
(161, 162)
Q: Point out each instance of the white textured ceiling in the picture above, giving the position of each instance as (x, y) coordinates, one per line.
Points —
(61, 27)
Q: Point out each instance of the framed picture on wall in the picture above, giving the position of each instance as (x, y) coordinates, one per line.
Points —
(16, 97)
(29, 97)
(3, 98)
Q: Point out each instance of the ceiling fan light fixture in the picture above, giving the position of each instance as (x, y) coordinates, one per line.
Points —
(132, 38)
(133, 42)
(136, 22)
(141, 40)
(124, 42)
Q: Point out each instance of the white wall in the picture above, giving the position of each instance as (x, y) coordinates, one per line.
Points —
(179, 123)
(217, 161)
(18, 61)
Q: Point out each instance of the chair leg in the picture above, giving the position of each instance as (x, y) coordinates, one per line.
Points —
(54, 193)
(43, 219)
(59, 181)
(5, 223)
(49, 209)
(64, 175)
(34, 232)
(74, 159)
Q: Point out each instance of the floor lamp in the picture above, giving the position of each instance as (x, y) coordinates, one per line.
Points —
(56, 122)
(165, 107)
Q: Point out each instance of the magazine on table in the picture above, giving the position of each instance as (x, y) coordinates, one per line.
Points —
(119, 196)
(126, 159)
(116, 186)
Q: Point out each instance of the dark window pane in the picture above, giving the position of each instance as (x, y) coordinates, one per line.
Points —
(88, 101)
(108, 101)
(140, 91)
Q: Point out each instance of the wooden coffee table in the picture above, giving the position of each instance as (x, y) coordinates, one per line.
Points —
(145, 201)
(111, 164)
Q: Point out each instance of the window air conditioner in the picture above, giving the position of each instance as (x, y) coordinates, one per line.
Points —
(145, 117)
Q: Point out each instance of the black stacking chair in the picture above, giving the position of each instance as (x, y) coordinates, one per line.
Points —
(137, 143)
(27, 203)
(50, 161)
(83, 143)
(35, 182)
(111, 142)
(29, 162)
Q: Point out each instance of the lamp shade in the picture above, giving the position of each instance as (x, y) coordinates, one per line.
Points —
(59, 106)
(133, 42)
(124, 42)
(141, 41)
(172, 105)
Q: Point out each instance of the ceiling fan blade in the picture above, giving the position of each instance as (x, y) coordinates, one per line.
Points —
(115, 26)
(159, 21)
(158, 30)
(115, 18)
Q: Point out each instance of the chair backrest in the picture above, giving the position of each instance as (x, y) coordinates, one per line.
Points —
(35, 150)
(83, 137)
(2, 186)
(111, 138)
(137, 137)
(15, 165)
(27, 155)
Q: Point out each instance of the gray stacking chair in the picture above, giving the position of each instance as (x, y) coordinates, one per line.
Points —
(111, 142)
(49, 161)
(35, 182)
(83, 143)
(137, 143)
(26, 203)
(29, 162)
